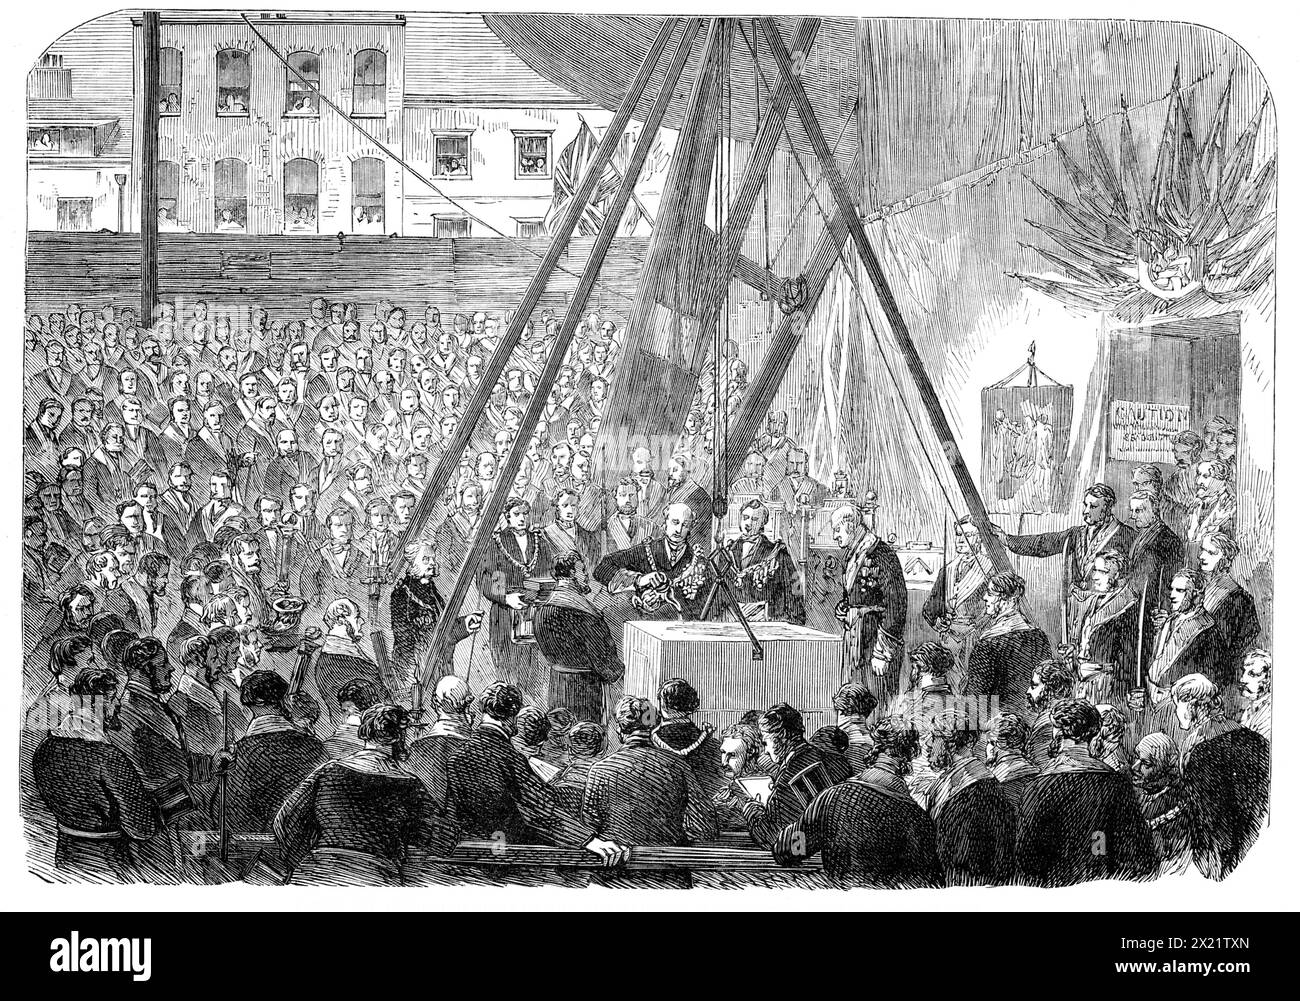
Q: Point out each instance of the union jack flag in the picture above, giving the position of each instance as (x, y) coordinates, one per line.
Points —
(570, 167)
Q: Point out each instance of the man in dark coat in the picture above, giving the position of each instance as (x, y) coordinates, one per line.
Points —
(493, 792)
(585, 743)
(869, 830)
(667, 577)
(1155, 552)
(1004, 752)
(873, 609)
(518, 553)
(357, 821)
(803, 772)
(1158, 781)
(430, 754)
(761, 573)
(680, 488)
(1226, 774)
(1101, 625)
(641, 795)
(341, 657)
(414, 608)
(955, 607)
(1008, 647)
(575, 641)
(1079, 819)
(94, 792)
(1053, 681)
(1188, 642)
(1230, 604)
(270, 760)
(148, 733)
(1081, 544)
(974, 821)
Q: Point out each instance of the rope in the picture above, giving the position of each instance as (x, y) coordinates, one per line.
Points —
(409, 168)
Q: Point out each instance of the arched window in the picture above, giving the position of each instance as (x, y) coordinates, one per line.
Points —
(368, 195)
(369, 83)
(301, 196)
(234, 79)
(169, 82)
(169, 193)
(231, 189)
(303, 81)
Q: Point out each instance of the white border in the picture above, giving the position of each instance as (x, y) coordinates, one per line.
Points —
(1267, 880)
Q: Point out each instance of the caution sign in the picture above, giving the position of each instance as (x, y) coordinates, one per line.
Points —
(1144, 432)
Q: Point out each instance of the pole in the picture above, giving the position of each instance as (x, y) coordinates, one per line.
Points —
(439, 649)
(149, 37)
(496, 365)
(888, 304)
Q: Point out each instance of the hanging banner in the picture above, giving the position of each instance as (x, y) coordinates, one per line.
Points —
(1144, 432)
(1026, 434)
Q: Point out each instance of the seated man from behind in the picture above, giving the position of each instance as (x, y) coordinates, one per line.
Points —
(641, 794)
(802, 772)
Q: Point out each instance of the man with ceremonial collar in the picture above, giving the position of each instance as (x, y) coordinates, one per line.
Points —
(1158, 782)
(764, 578)
(666, 576)
(869, 830)
(1080, 820)
(492, 791)
(1081, 544)
(519, 552)
(336, 568)
(638, 795)
(415, 607)
(678, 734)
(873, 610)
(975, 822)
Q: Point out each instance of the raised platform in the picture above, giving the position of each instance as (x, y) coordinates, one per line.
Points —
(800, 666)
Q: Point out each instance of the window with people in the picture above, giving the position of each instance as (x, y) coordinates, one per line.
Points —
(169, 82)
(301, 195)
(302, 85)
(231, 195)
(451, 155)
(368, 195)
(234, 82)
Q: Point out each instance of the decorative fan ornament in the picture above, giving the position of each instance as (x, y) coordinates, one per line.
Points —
(1200, 232)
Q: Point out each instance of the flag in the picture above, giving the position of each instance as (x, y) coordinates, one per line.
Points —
(571, 166)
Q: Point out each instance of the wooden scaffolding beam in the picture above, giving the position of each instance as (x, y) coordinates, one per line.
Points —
(449, 461)
(483, 535)
(889, 305)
